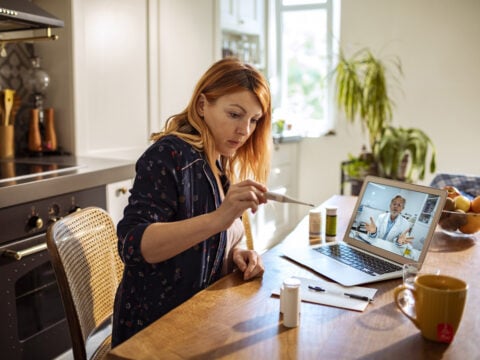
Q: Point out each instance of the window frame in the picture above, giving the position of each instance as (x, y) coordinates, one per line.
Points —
(332, 48)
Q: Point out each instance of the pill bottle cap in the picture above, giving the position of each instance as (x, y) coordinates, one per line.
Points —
(291, 283)
(315, 212)
(331, 210)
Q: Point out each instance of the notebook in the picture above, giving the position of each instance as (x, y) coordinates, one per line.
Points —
(416, 221)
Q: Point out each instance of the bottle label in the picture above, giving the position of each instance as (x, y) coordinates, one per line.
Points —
(315, 225)
(331, 225)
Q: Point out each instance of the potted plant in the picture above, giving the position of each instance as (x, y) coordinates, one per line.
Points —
(354, 171)
(402, 154)
(362, 92)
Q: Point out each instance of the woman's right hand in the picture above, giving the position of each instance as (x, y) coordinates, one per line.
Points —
(247, 194)
(163, 240)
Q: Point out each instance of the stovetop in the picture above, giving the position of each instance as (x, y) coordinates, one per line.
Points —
(27, 179)
(13, 170)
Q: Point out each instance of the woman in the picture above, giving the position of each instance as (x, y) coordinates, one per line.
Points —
(181, 227)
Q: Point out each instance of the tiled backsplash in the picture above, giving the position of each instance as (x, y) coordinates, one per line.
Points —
(13, 67)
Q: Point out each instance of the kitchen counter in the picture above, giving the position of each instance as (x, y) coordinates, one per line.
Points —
(66, 174)
(34, 193)
(280, 139)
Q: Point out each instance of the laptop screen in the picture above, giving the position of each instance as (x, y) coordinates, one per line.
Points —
(396, 217)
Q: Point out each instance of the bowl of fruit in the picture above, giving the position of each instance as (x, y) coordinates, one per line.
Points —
(461, 214)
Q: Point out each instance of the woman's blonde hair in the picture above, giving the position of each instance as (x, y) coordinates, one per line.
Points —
(228, 76)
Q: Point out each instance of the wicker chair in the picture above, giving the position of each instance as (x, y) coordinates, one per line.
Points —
(83, 246)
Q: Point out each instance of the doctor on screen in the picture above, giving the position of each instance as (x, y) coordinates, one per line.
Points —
(391, 226)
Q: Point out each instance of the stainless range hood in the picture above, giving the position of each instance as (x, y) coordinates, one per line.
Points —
(18, 15)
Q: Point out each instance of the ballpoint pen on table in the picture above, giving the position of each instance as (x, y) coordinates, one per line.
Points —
(352, 296)
(285, 199)
(358, 297)
(315, 288)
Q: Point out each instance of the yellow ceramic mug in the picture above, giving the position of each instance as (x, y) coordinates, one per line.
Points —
(438, 301)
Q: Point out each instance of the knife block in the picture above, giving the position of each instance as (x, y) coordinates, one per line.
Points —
(7, 141)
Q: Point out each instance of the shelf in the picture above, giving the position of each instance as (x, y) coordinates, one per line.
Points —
(246, 47)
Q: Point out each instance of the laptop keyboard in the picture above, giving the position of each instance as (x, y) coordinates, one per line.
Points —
(358, 259)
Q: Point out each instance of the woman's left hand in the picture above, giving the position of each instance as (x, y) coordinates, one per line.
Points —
(249, 262)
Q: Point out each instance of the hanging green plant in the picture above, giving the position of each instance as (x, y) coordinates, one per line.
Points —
(362, 91)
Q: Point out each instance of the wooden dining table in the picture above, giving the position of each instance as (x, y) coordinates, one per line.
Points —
(236, 319)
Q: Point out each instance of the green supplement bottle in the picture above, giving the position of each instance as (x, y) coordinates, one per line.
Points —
(331, 224)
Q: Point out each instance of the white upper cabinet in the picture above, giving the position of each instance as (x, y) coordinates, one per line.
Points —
(101, 75)
(111, 76)
(121, 67)
(244, 16)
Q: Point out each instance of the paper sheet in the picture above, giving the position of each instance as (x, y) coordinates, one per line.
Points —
(333, 294)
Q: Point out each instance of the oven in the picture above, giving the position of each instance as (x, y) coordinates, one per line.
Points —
(33, 319)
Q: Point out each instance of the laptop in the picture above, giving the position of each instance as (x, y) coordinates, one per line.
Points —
(416, 222)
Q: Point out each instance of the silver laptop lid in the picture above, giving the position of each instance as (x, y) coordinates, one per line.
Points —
(407, 237)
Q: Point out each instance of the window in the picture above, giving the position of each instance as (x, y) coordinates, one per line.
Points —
(302, 88)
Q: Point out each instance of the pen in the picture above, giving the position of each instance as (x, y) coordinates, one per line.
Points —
(358, 297)
(352, 296)
(315, 288)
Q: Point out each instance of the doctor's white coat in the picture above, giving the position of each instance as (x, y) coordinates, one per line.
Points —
(401, 224)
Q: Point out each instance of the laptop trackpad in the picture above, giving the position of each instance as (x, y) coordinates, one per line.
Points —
(328, 267)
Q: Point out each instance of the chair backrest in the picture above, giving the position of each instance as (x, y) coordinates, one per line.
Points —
(83, 247)
(467, 184)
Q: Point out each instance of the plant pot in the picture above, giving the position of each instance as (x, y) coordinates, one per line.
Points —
(356, 186)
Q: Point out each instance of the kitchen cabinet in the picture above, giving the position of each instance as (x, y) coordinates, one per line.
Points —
(100, 75)
(273, 220)
(111, 76)
(243, 29)
(117, 198)
(243, 16)
(121, 67)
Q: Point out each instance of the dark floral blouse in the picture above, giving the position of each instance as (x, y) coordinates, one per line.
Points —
(173, 182)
